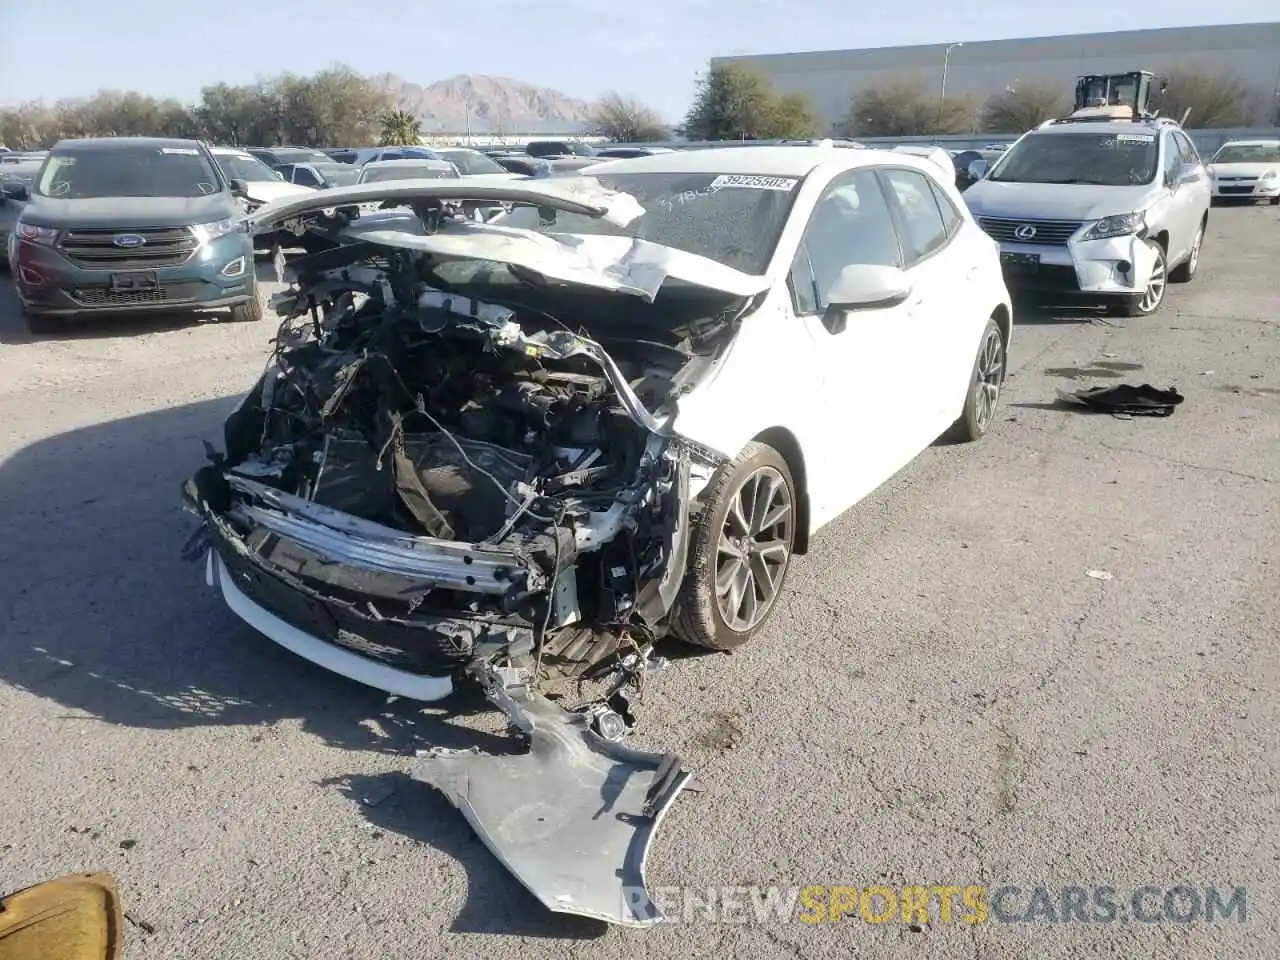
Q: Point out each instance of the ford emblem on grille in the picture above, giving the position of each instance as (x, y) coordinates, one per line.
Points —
(129, 240)
(1025, 232)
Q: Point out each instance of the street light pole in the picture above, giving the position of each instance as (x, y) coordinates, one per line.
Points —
(946, 62)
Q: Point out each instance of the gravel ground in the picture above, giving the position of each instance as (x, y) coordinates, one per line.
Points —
(946, 697)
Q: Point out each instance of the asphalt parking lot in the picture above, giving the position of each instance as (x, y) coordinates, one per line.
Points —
(947, 697)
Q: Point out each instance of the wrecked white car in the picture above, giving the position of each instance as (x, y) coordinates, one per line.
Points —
(535, 446)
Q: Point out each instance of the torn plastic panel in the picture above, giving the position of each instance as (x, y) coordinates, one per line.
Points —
(573, 818)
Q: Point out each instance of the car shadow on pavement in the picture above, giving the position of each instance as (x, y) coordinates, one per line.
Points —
(14, 329)
(496, 902)
(102, 616)
(1043, 312)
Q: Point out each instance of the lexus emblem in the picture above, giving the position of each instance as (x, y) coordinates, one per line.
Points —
(1025, 231)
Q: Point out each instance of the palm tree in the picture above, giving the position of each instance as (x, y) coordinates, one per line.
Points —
(399, 127)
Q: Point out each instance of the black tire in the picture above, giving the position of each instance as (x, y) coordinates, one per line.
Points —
(990, 364)
(1186, 270)
(697, 618)
(250, 312)
(41, 324)
(1275, 201)
(1141, 306)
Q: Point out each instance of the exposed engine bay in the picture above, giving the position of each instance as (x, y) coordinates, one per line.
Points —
(416, 459)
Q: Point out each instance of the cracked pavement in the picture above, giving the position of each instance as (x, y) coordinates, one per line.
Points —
(945, 696)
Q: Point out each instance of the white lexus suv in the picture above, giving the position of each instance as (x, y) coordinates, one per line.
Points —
(1105, 209)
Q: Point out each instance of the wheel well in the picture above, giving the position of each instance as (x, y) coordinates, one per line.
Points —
(1003, 321)
(784, 441)
(1162, 238)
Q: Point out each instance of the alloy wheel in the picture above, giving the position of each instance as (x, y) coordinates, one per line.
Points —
(988, 377)
(1194, 260)
(754, 549)
(1155, 286)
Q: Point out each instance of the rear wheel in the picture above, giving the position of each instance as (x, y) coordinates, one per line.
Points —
(1150, 301)
(1187, 269)
(739, 551)
(984, 387)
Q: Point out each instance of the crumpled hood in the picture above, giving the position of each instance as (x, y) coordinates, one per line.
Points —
(617, 263)
(129, 213)
(1243, 169)
(1052, 201)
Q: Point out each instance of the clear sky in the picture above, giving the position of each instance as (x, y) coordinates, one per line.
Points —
(652, 49)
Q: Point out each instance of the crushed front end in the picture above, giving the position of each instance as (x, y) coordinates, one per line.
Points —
(417, 484)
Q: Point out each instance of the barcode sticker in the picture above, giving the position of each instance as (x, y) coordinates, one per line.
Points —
(785, 184)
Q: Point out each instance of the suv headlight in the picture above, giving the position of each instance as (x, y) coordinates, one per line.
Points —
(1119, 225)
(45, 236)
(1270, 175)
(211, 231)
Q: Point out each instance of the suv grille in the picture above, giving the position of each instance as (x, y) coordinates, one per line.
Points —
(1048, 232)
(96, 248)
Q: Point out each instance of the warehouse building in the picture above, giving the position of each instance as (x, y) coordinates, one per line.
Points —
(832, 78)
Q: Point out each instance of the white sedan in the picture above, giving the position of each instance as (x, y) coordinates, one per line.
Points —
(639, 394)
(1247, 170)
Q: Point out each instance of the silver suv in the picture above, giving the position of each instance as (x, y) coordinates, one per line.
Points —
(1110, 210)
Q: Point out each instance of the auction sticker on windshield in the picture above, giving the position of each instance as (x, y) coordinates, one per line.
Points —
(1135, 138)
(785, 184)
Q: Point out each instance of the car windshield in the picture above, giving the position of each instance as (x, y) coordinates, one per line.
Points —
(1104, 159)
(337, 174)
(733, 219)
(127, 170)
(471, 163)
(1248, 153)
(241, 166)
(406, 171)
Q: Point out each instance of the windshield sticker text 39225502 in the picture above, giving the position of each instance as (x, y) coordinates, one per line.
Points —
(784, 184)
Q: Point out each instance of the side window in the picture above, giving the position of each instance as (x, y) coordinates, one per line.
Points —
(922, 222)
(1189, 152)
(391, 155)
(1172, 159)
(951, 218)
(851, 224)
(305, 177)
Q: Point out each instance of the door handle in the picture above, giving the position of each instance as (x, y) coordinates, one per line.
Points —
(973, 272)
(911, 310)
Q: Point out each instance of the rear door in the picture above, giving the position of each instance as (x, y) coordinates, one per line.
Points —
(944, 260)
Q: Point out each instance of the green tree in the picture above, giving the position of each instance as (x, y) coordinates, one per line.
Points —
(626, 120)
(400, 127)
(906, 107)
(1024, 107)
(734, 102)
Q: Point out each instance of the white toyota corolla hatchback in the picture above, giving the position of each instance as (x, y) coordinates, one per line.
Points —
(614, 413)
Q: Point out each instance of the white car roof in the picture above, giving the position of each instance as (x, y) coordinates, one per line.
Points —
(231, 152)
(1260, 142)
(760, 161)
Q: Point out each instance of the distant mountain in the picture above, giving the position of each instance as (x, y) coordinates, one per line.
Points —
(487, 105)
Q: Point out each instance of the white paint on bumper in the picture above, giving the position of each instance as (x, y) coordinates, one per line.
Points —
(342, 662)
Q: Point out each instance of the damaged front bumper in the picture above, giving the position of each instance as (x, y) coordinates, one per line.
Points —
(572, 818)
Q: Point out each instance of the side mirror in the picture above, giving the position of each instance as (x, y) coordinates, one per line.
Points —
(16, 191)
(977, 169)
(1188, 173)
(864, 287)
(238, 187)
